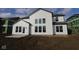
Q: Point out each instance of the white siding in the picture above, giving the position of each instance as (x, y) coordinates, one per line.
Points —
(60, 19)
(50, 28)
(42, 14)
(64, 30)
(22, 24)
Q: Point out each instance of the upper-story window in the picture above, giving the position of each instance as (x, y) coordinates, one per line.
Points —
(36, 21)
(77, 21)
(39, 21)
(44, 20)
(56, 18)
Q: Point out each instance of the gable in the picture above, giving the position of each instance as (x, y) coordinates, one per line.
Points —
(41, 14)
(40, 10)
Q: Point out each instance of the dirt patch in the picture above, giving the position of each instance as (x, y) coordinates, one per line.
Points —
(67, 42)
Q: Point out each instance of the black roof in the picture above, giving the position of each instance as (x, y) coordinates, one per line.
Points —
(11, 20)
(36, 11)
(27, 17)
(44, 10)
(59, 23)
(58, 15)
(24, 21)
(24, 18)
(27, 22)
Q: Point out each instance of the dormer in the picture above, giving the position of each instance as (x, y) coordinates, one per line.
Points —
(58, 18)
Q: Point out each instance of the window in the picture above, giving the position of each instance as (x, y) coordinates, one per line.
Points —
(44, 28)
(39, 21)
(44, 21)
(59, 29)
(3, 29)
(40, 29)
(36, 29)
(17, 29)
(73, 22)
(36, 21)
(56, 19)
(23, 29)
(77, 21)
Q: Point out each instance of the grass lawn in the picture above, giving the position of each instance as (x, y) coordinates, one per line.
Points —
(66, 42)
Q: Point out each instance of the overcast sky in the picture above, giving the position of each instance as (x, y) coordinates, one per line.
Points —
(14, 12)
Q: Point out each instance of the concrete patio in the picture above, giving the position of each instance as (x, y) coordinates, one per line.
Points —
(15, 36)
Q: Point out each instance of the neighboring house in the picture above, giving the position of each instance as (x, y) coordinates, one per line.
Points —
(7, 24)
(0, 26)
(73, 24)
(41, 22)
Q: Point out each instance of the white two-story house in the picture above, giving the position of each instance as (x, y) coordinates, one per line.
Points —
(41, 22)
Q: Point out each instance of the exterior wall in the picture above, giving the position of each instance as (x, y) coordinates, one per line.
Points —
(60, 19)
(50, 28)
(65, 32)
(42, 14)
(22, 24)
